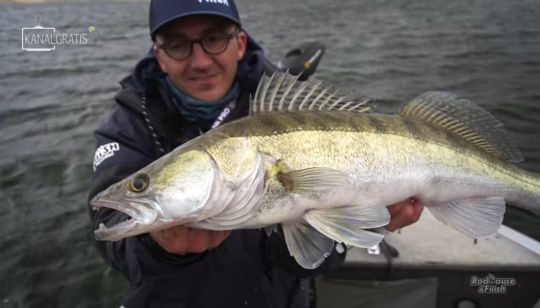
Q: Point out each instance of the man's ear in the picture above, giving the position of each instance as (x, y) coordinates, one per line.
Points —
(159, 54)
(242, 44)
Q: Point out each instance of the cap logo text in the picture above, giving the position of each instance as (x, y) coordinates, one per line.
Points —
(215, 1)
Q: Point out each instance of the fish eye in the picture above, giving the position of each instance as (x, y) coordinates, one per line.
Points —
(139, 183)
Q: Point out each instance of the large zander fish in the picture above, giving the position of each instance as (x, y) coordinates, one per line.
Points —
(312, 161)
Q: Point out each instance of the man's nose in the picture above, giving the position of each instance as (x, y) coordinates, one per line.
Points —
(199, 57)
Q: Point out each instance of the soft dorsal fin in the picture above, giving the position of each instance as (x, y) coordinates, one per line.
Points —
(284, 92)
(464, 119)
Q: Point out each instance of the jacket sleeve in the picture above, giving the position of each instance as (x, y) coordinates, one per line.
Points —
(121, 150)
(124, 147)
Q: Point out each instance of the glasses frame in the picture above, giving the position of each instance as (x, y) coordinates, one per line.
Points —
(200, 42)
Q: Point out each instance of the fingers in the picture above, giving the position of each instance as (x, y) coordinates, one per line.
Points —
(396, 208)
(215, 238)
(182, 240)
(403, 214)
(166, 239)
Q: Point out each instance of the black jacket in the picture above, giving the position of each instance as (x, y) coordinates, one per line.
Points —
(249, 269)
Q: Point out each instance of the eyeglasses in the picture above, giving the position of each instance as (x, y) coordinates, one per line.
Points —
(180, 47)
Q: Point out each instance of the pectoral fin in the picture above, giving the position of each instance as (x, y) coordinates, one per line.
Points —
(347, 224)
(308, 246)
(476, 218)
(313, 180)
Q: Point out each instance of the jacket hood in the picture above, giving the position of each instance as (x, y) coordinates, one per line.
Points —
(147, 73)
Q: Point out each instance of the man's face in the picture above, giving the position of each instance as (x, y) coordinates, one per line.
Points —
(201, 75)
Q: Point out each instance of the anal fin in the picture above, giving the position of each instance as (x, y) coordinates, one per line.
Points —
(475, 217)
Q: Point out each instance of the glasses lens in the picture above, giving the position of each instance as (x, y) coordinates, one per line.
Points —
(178, 47)
(215, 43)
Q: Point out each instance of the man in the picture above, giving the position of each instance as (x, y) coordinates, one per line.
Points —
(201, 72)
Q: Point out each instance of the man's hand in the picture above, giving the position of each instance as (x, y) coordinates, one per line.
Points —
(403, 214)
(182, 240)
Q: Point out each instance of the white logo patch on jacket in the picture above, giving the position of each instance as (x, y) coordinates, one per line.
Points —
(105, 151)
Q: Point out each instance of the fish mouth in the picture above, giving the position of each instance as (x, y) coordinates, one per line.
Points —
(116, 232)
(140, 214)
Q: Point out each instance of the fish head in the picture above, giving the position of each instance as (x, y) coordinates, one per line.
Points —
(171, 191)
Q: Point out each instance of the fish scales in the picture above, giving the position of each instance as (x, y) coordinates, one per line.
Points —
(326, 175)
(374, 144)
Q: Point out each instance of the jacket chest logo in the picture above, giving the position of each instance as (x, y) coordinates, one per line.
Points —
(105, 151)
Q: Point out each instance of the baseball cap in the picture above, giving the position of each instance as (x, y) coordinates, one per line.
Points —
(163, 12)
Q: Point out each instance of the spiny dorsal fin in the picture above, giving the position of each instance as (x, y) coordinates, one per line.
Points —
(464, 119)
(284, 92)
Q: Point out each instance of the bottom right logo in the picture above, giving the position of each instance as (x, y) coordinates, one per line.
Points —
(491, 284)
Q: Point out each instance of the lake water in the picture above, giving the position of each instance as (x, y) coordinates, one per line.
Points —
(487, 51)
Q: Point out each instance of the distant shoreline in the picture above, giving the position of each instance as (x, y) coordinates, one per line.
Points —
(26, 1)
